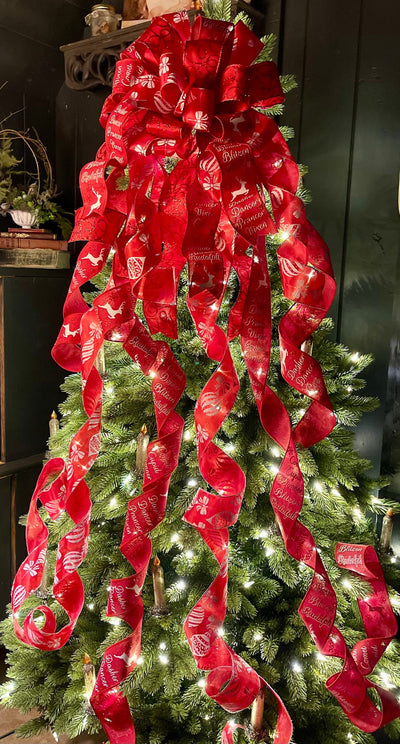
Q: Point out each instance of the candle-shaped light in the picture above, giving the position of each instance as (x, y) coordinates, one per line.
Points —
(141, 451)
(89, 675)
(307, 345)
(387, 529)
(100, 362)
(42, 590)
(158, 585)
(257, 712)
(54, 424)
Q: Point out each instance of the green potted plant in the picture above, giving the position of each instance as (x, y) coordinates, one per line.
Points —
(29, 197)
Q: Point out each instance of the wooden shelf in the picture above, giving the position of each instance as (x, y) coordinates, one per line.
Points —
(90, 63)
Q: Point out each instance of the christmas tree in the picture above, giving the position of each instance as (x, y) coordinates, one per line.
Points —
(266, 586)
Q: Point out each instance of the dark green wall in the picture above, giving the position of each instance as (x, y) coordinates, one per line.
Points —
(346, 113)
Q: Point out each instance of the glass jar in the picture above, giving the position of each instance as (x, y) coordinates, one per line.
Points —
(102, 20)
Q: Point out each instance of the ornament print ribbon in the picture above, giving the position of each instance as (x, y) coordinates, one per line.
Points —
(194, 95)
(318, 608)
(144, 513)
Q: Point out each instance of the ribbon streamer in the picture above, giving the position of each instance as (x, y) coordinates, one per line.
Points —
(195, 94)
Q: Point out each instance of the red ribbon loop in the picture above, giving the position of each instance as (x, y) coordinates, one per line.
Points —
(193, 94)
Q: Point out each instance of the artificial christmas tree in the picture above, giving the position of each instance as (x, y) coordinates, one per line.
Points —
(266, 586)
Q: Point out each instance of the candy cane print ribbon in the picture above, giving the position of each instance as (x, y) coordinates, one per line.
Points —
(60, 487)
(144, 513)
(231, 681)
(228, 731)
(318, 608)
(193, 94)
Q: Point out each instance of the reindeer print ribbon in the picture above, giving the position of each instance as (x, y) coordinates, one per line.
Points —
(194, 95)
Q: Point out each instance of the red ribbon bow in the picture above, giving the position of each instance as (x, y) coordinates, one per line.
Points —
(194, 94)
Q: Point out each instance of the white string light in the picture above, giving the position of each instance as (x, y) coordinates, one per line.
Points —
(187, 435)
(230, 447)
(335, 492)
(296, 667)
(192, 482)
(127, 479)
(189, 554)
(355, 357)
(346, 583)
(274, 469)
(357, 512)
(180, 585)
(206, 718)
(163, 659)
(386, 679)
(112, 502)
(275, 451)
(263, 533)
(201, 683)
(247, 584)
(9, 688)
(269, 552)
(318, 486)
(175, 537)
(140, 660)
(91, 606)
(114, 620)
(162, 646)
(257, 637)
(221, 631)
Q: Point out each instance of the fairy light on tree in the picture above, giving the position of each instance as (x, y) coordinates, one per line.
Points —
(264, 589)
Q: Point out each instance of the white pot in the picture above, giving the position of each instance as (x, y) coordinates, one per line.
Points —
(23, 218)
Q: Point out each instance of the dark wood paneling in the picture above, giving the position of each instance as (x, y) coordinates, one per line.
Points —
(5, 544)
(320, 47)
(326, 135)
(346, 113)
(32, 317)
(273, 21)
(292, 56)
(79, 135)
(391, 430)
(33, 74)
(373, 238)
(56, 22)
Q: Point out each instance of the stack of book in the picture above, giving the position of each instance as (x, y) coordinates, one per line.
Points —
(33, 247)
